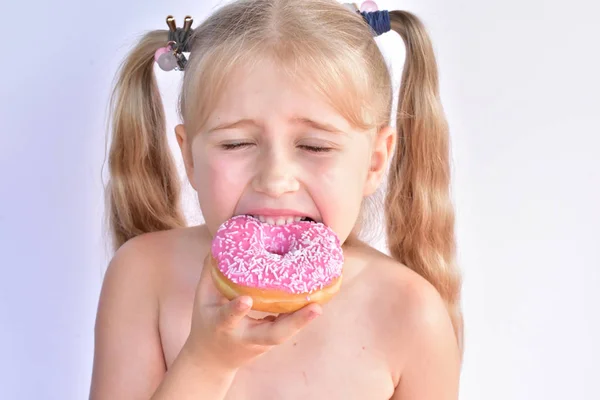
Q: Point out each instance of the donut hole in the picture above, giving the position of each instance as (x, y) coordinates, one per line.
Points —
(281, 248)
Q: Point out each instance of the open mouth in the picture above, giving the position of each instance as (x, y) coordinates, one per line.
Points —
(281, 220)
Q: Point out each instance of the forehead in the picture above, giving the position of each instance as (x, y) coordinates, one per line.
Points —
(266, 91)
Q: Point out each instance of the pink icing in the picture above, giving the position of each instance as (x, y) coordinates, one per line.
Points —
(300, 257)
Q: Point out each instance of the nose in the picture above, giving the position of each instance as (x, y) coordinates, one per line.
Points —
(275, 175)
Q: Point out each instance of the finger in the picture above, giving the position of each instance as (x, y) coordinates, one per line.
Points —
(230, 314)
(283, 328)
(253, 321)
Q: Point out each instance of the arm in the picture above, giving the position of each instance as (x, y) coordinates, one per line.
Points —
(188, 379)
(432, 370)
(128, 358)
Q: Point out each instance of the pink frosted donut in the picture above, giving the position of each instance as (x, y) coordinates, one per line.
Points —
(282, 267)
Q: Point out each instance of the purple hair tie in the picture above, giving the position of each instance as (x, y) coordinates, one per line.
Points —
(378, 20)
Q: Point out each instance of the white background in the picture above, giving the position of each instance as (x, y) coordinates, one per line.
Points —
(519, 82)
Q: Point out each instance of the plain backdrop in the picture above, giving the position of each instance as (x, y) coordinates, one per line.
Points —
(519, 82)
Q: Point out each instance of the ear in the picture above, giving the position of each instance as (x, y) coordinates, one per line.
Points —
(186, 152)
(384, 144)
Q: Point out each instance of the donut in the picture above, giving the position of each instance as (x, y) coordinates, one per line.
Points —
(282, 267)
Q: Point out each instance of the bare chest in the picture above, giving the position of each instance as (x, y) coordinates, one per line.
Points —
(336, 357)
(314, 368)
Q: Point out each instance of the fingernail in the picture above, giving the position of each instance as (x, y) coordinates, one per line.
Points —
(244, 304)
(313, 314)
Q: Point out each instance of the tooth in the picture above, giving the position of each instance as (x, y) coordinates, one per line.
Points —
(280, 221)
(270, 221)
(297, 219)
(261, 218)
(289, 220)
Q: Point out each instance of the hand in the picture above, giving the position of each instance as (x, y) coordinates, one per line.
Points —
(223, 335)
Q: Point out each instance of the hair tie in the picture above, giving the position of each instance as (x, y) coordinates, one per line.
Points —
(379, 21)
(170, 57)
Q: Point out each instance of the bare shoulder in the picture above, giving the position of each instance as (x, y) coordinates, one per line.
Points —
(412, 317)
(139, 260)
(128, 356)
(155, 255)
(413, 298)
(409, 294)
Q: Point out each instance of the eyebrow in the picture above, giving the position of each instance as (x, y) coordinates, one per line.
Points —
(323, 126)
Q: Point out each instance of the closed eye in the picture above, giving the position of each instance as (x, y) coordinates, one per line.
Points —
(316, 149)
(233, 146)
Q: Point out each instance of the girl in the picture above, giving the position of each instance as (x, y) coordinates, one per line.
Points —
(286, 112)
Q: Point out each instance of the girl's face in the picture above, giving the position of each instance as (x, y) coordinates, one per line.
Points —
(274, 149)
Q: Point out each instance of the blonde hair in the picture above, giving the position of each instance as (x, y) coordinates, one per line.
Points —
(325, 45)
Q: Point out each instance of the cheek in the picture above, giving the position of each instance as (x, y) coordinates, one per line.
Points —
(342, 177)
(218, 173)
(336, 187)
(220, 182)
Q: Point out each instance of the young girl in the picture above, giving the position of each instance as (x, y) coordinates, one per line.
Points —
(286, 113)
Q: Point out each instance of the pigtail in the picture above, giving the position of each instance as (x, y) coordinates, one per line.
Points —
(418, 206)
(143, 192)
